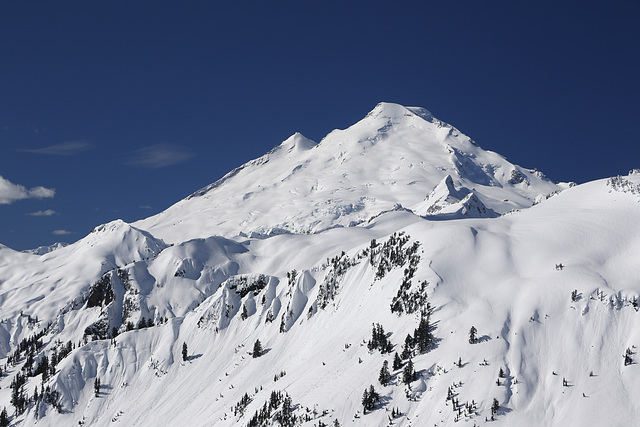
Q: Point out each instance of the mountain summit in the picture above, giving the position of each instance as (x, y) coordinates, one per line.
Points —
(394, 274)
(396, 155)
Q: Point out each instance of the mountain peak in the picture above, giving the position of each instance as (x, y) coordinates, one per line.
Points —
(393, 112)
(395, 155)
(297, 142)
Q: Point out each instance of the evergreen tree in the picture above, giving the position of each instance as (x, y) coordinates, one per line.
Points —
(4, 418)
(244, 314)
(422, 335)
(501, 373)
(407, 348)
(184, 351)
(574, 295)
(397, 362)
(96, 386)
(472, 335)
(370, 399)
(257, 349)
(385, 375)
(379, 340)
(408, 374)
(495, 407)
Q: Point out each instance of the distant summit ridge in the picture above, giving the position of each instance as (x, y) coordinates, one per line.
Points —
(394, 155)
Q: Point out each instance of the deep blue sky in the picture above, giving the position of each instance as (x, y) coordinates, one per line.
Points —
(86, 89)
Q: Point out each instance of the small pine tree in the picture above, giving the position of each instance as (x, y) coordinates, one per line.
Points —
(244, 314)
(574, 295)
(495, 407)
(4, 418)
(257, 349)
(96, 386)
(408, 374)
(365, 400)
(407, 348)
(385, 375)
(472, 335)
(184, 352)
(397, 362)
(501, 373)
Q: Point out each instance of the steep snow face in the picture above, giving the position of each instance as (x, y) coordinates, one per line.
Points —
(395, 155)
(551, 290)
(447, 202)
(48, 283)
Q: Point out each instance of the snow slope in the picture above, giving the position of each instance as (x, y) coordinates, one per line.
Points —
(395, 155)
(311, 299)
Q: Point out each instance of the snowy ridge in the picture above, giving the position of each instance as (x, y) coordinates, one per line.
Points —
(551, 291)
(41, 250)
(447, 202)
(395, 155)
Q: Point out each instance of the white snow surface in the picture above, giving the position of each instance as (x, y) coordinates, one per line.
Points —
(395, 155)
(510, 276)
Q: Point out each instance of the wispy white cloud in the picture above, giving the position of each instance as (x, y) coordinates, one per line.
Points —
(62, 232)
(145, 207)
(10, 192)
(47, 212)
(159, 156)
(68, 148)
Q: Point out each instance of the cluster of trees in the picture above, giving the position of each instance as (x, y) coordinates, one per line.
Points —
(239, 407)
(29, 346)
(285, 416)
(628, 360)
(468, 409)
(393, 253)
(243, 285)
(33, 366)
(338, 266)
(370, 399)
(379, 340)
(407, 301)
(421, 340)
(276, 377)
(20, 399)
(142, 323)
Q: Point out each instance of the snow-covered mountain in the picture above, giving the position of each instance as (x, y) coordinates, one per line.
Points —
(399, 236)
(41, 250)
(394, 156)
